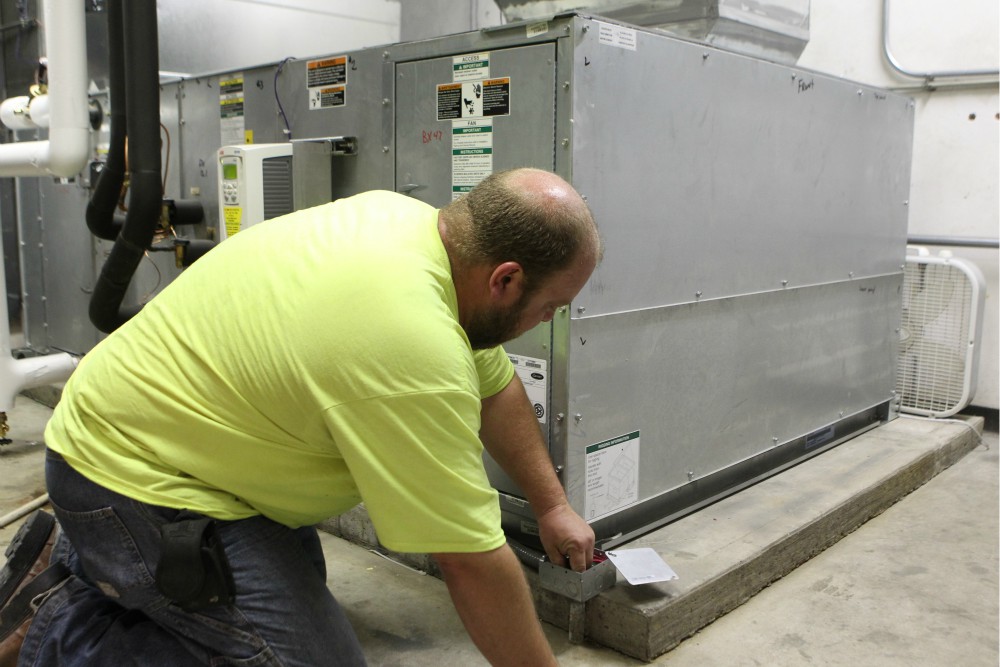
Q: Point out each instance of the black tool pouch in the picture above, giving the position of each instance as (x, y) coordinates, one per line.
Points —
(193, 570)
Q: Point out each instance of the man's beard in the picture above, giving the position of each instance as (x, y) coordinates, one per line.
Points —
(494, 327)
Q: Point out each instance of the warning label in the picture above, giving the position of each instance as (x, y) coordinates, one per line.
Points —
(231, 110)
(324, 98)
(327, 72)
(473, 99)
(232, 217)
(612, 475)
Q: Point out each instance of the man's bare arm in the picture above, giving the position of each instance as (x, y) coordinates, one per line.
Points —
(494, 602)
(511, 435)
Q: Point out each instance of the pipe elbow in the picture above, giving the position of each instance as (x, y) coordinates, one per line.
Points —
(69, 150)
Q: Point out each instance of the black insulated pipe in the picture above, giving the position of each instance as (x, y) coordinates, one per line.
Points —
(142, 111)
(101, 207)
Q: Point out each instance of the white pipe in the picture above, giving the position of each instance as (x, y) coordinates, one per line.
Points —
(67, 149)
(64, 154)
(17, 375)
(24, 510)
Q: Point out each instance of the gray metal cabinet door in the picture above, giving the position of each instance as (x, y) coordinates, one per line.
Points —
(456, 124)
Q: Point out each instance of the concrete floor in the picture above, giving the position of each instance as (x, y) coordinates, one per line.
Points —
(917, 585)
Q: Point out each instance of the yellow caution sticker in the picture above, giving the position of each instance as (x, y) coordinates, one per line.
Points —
(232, 217)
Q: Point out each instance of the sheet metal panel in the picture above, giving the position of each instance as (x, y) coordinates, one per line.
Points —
(713, 383)
(714, 174)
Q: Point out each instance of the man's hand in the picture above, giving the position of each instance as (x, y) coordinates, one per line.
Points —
(567, 538)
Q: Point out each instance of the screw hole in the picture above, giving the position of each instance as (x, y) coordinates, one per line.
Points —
(972, 116)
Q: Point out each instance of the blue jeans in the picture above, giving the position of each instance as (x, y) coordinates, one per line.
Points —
(110, 612)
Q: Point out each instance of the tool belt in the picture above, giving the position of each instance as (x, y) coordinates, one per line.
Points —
(193, 570)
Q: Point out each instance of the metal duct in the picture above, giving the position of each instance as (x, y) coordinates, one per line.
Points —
(776, 30)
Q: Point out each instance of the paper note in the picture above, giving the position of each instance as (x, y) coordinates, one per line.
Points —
(641, 566)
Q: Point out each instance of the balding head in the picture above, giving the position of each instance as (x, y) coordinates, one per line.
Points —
(529, 216)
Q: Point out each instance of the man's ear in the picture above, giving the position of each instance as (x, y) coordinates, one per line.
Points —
(506, 283)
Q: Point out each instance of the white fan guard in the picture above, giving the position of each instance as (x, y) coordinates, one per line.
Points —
(940, 333)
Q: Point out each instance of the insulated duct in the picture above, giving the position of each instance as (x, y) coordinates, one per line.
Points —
(776, 30)
(104, 201)
(142, 112)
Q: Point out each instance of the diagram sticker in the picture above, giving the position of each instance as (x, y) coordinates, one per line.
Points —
(534, 376)
(612, 475)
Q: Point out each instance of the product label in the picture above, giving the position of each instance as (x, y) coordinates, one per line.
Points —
(534, 376)
(616, 35)
(612, 475)
(536, 29)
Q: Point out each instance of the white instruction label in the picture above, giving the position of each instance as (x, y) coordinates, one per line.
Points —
(471, 154)
(616, 35)
(471, 67)
(534, 376)
(641, 566)
(612, 475)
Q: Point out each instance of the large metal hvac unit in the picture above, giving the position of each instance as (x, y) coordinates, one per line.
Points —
(746, 312)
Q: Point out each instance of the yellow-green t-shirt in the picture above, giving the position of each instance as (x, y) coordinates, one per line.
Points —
(303, 365)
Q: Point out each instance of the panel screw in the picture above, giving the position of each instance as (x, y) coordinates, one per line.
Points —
(697, 295)
(560, 417)
(578, 417)
(385, 101)
(784, 283)
(690, 475)
(581, 310)
(586, 28)
(385, 149)
(565, 142)
(774, 439)
(850, 274)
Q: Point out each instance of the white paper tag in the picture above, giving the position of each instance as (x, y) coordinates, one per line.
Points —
(641, 566)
